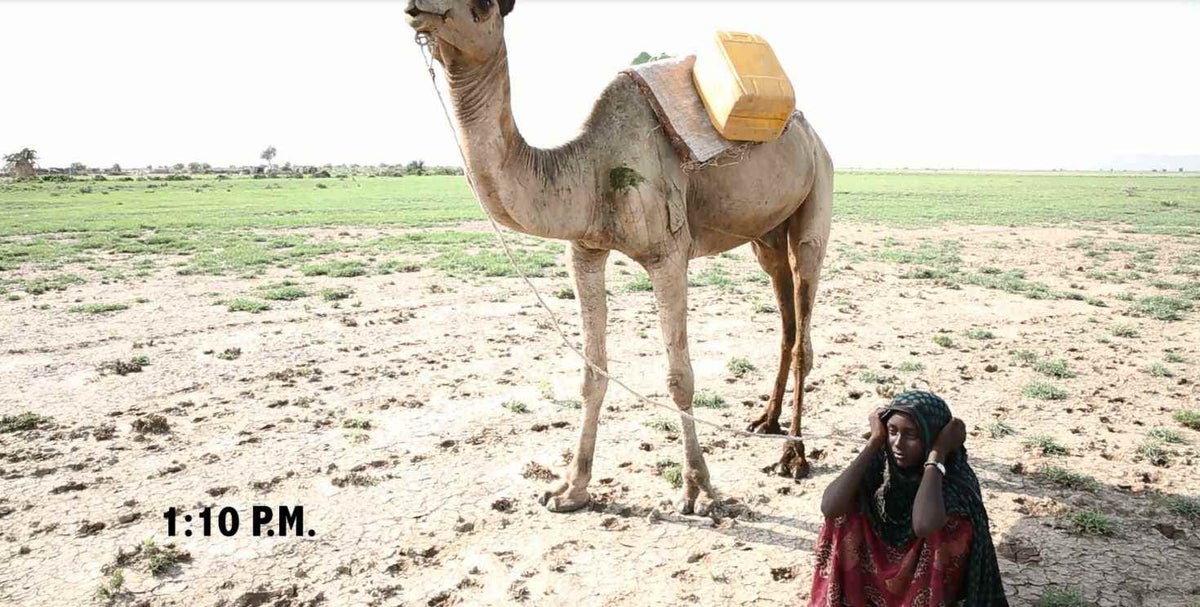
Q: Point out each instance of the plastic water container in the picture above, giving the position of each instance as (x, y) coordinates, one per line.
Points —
(746, 92)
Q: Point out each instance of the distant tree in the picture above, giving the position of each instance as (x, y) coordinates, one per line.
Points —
(287, 167)
(178, 167)
(77, 168)
(416, 167)
(22, 163)
(268, 155)
(199, 167)
(116, 168)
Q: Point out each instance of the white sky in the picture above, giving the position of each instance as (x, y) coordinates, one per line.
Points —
(889, 84)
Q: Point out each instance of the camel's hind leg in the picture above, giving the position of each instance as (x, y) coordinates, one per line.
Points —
(587, 266)
(808, 235)
(772, 254)
(669, 278)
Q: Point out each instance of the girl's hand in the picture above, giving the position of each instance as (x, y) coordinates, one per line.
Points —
(878, 430)
(951, 438)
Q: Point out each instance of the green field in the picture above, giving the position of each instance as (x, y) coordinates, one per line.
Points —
(232, 225)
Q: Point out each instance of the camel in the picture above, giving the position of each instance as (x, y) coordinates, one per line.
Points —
(619, 186)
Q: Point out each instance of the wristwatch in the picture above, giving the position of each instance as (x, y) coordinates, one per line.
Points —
(939, 466)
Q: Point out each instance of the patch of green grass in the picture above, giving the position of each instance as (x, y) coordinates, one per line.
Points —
(1046, 445)
(245, 304)
(715, 276)
(1183, 505)
(335, 269)
(708, 400)
(1026, 356)
(516, 406)
(398, 267)
(1161, 307)
(160, 558)
(663, 425)
(1065, 478)
(671, 472)
(980, 334)
(869, 376)
(1155, 451)
(39, 286)
(1167, 435)
(1013, 281)
(1125, 331)
(110, 588)
(98, 308)
(1090, 522)
(943, 340)
(1053, 368)
(23, 421)
(739, 366)
(286, 293)
(357, 423)
(1044, 391)
(1188, 419)
(493, 264)
(999, 428)
(764, 308)
(1056, 596)
(1159, 370)
(1174, 357)
(639, 284)
(230, 354)
(910, 366)
(565, 293)
(337, 294)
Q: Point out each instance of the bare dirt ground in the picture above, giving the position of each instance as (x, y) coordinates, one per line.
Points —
(434, 503)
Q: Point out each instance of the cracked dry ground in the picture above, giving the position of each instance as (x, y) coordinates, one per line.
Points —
(418, 428)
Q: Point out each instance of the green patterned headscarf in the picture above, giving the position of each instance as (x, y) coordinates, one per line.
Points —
(889, 491)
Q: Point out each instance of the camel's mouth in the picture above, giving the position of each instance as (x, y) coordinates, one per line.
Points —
(423, 21)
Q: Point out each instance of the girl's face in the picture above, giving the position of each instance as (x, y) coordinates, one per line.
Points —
(904, 440)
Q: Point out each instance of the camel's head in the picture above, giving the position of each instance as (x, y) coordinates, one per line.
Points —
(464, 30)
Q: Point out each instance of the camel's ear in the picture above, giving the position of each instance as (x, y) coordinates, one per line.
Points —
(506, 7)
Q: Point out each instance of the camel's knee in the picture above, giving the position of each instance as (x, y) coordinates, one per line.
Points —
(681, 387)
(594, 386)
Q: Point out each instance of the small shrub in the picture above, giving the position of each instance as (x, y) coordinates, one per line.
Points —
(516, 406)
(565, 293)
(1155, 452)
(24, 421)
(639, 284)
(288, 293)
(1159, 370)
(1162, 307)
(99, 308)
(335, 269)
(708, 400)
(1045, 445)
(1061, 597)
(1064, 478)
(764, 308)
(1125, 331)
(870, 377)
(1090, 522)
(230, 354)
(357, 423)
(1167, 435)
(910, 366)
(1025, 356)
(663, 425)
(1189, 419)
(161, 558)
(245, 304)
(1188, 507)
(1174, 357)
(943, 341)
(739, 366)
(1054, 368)
(980, 334)
(110, 588)
(999, 429)
(337, 294)
(671, 472)
(1044, 391)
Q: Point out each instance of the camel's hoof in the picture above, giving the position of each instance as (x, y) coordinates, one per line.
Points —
(793, 463)
(565, 501)
(760, 426)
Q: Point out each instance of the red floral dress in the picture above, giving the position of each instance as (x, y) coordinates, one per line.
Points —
(856, 568)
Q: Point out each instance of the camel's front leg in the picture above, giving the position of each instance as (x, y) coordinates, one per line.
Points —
(587, 267)
(670, 289)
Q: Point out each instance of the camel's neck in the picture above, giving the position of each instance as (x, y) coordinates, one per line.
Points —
(540, 192)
